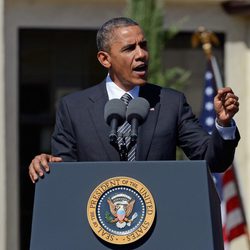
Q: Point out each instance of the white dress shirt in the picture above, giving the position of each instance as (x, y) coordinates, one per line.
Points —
(116, 92)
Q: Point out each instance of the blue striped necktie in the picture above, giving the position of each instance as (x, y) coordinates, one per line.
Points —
(124, 131)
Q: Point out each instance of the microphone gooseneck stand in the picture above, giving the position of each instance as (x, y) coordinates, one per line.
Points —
(122, 149)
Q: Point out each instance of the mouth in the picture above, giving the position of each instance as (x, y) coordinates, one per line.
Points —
(141, 71)
(141, 68)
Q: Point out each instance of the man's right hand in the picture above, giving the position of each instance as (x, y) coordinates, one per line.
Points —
(40, 164)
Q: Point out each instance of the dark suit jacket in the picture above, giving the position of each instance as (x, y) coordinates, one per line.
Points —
(81, 133)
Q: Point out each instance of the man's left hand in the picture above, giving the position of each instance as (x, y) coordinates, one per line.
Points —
(226, 105)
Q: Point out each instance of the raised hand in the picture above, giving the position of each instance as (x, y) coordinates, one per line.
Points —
(226, 105)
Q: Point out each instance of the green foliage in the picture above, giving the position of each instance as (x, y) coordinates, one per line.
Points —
(149, 14)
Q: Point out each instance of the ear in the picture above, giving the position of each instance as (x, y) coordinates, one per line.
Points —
(104, 59)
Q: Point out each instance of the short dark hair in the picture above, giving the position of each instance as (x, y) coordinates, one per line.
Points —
(104, 34)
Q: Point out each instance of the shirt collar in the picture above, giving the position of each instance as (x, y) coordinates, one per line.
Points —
(116, 92)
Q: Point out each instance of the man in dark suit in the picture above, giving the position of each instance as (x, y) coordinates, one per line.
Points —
(81, 133)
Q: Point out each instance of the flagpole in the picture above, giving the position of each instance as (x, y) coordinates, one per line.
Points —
(217, 75)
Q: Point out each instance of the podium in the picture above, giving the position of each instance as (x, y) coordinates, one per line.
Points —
(186, 202)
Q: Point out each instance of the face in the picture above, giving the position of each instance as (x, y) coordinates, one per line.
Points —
(128, 57)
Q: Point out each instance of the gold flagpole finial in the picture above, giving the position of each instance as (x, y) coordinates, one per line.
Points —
(206, 38)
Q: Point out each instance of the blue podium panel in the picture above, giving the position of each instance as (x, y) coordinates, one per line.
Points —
(187, 206)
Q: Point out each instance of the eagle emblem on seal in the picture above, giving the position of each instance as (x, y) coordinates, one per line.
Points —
(121, 207)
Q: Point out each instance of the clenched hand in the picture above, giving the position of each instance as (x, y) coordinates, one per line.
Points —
(226, 105)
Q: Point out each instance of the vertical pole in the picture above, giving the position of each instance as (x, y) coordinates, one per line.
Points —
(216, 71)
(3, 184)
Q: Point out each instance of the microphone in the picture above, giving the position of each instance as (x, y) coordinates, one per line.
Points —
(114, 115)
(137, 112)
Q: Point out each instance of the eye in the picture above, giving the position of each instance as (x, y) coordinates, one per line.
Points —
(128, 48)
(144, 44)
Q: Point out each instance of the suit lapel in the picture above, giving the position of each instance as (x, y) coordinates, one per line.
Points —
(99, 97)
(147, 129)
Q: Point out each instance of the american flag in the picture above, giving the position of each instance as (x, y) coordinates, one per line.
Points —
(233, 220)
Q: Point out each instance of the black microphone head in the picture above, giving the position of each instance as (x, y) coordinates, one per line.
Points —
(137, 108)
(115, 108)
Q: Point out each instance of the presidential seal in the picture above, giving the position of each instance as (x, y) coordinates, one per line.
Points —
(121, 210)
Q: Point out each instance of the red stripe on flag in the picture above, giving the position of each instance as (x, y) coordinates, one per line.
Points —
(228, 176)
(236, 231)
(232, 204)
(225, 235)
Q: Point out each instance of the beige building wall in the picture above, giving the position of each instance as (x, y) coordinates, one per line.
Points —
(90, 14)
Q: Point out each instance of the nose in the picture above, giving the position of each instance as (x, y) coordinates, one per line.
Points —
(141, 53)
